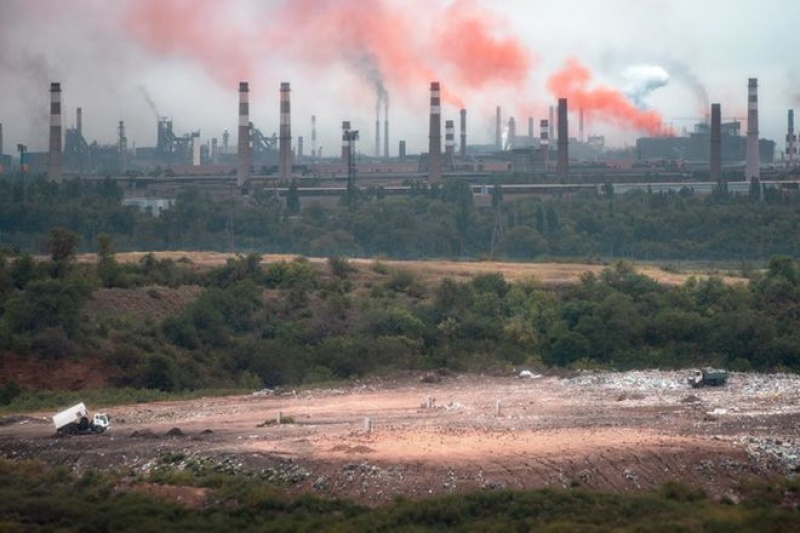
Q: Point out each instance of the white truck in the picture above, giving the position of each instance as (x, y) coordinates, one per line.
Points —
(75, 420)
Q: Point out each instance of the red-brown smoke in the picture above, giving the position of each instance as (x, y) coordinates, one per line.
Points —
(603, 103)
(459, 44)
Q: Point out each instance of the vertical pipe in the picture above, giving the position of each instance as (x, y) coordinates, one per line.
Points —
(123, 148)
(386, 126)
(512, 133)
(463, 147)
(285, 137)
(299, 148)
(791, 140)
(378, 127)
(562, 168)
(226, 137)
(346, 144)
(401, 150)
(1, 138)
(435, 135)
(79, 122)
(544, 142)
(314, 137)
(715, 156)
(753, 165)
(498, 135)
(55, 162)
(244, 153)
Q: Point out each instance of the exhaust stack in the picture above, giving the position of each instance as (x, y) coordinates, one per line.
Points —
(378, 127)
(123, 148)
(544, 142)
(562, 166)
(753, 165)
(511, 141)
(346, 144)
(463, 146)
(551, 133)
(715, 160)
(386, 126)
(435, 135)
(498, 135)
(314, 137)
(56, 159)
(791, 140)
(244, 153)
(285, 139)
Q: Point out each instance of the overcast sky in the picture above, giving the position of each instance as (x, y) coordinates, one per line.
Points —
(625, 61)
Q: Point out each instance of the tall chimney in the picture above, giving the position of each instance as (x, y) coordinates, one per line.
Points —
(449, 137)
(463, 148)
(285, 137)
(435, 136)
(386, 126)
(378, 127)
(244, 153)
(581, 138)
(530, 131)
(401, 150)
(123, 148)
(498, 135)
(544, 142)
(1, 138)
(551, 133)
(214, 151)
(346, 144)
(512, 133)
(55, 162)
(753, 165)
(791, 140)
(79, 121)
(299, 147)
(562, 168)
(226, 137)
(314, 137)
(715, 157)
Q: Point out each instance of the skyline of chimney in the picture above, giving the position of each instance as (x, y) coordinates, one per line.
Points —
(435, 135)
(715, 155)
(285, 134)
(244, 154)
(562, 165)
(55, 164)
(753, 163)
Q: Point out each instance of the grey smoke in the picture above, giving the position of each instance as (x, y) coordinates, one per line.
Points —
(366, 64)
(149, 99)
(681, 72)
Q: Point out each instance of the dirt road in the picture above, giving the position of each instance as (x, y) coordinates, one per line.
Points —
(377, 440)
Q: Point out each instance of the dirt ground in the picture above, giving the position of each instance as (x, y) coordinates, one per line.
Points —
(414, 437)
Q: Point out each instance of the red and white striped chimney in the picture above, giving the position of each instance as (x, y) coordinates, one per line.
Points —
(449, 137)
(544, 142)
(435, 135)
(244, 153)
(56, 157)
(753, 165)
(285, 137)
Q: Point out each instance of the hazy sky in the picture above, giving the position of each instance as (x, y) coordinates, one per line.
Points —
(633, 64)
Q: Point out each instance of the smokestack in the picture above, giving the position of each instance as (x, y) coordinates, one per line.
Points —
(530, 130)
(346, 144)
(580, 125)
(463, 133)
(214, 151)
(314, 137)
(753, 165)
(715, 158)
(544, 142)
(285, 137)
(79, 121)
(449, 137)
(244, 153)
(378, 127)
(562, 168)
(1, 138)
(386, 126)
(123, 148)
(435, 136)
(791, 140)
(512, 133)
(552, 123)
(498, 136)
(299, 147)
(401, 150)
(55, 162)
(225, 141)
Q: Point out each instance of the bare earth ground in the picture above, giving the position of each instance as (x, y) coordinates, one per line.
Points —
(609, 431)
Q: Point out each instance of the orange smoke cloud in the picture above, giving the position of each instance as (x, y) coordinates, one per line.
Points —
(572, 82)
(386, 42)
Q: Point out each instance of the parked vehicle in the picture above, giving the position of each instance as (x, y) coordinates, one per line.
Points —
(708, 376)
(75, 421)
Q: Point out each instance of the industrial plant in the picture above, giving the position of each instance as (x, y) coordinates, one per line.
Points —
(714, 150)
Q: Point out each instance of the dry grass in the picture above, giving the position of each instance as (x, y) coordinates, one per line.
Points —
(433, 271)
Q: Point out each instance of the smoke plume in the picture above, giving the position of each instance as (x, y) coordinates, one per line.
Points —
(643, 80)
(573, 82)
(149, 99)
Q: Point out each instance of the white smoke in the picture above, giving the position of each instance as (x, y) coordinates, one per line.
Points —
(643, 80)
